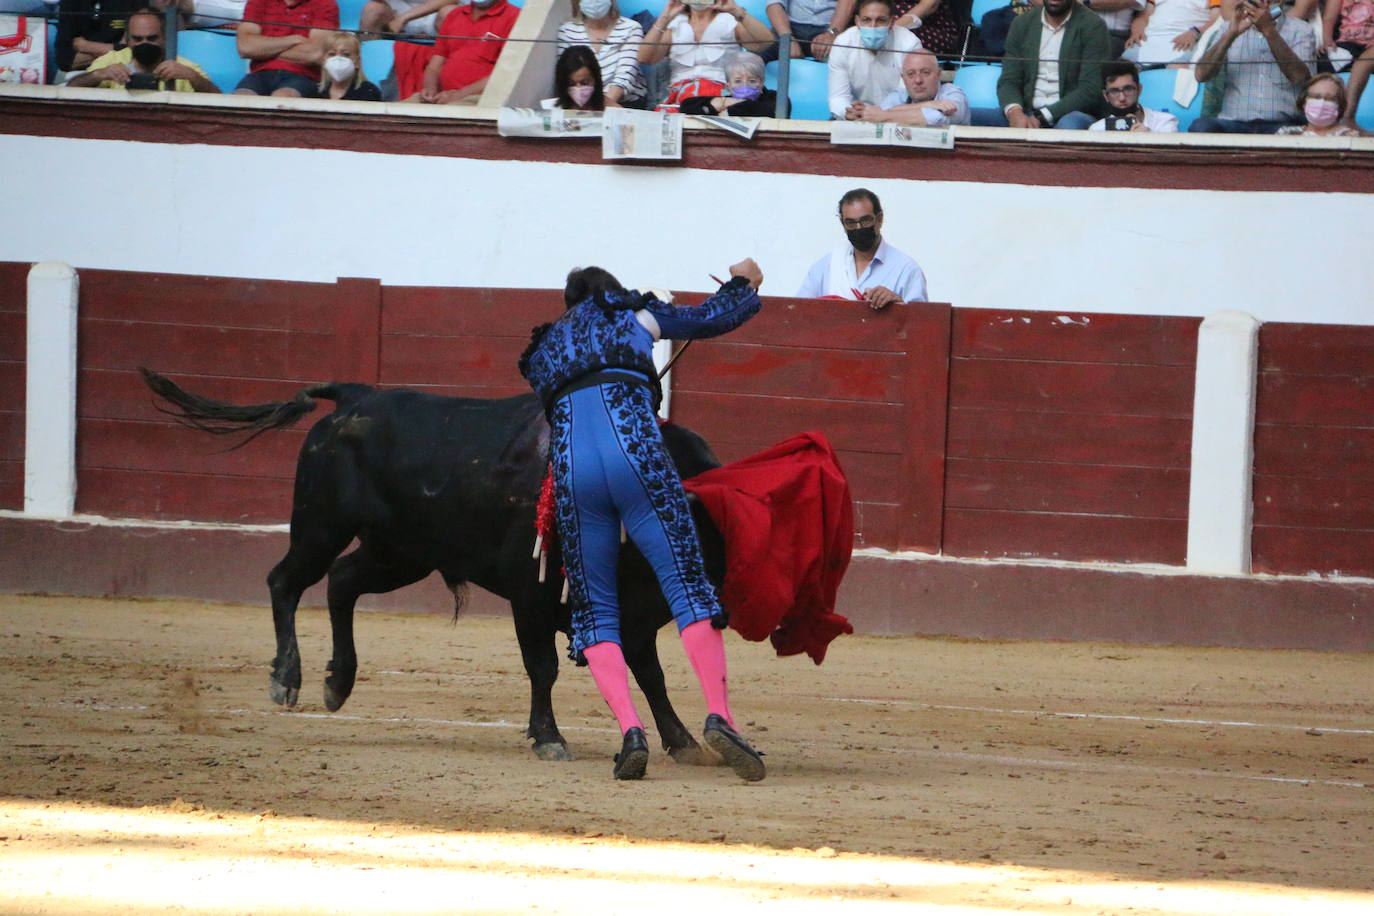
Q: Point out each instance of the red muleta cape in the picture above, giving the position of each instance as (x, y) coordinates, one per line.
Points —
(788, 524)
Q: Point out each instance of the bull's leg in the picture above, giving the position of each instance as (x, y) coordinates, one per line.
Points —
(312, 550)
(535, 632)
(641, 654)
(361, 572)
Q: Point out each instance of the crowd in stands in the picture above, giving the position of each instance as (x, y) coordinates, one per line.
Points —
(1258, 66)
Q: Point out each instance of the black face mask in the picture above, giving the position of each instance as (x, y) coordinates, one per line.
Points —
(148, 55)
(865, 239)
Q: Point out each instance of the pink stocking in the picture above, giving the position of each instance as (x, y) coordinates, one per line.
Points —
(706, 651)
(613, 680)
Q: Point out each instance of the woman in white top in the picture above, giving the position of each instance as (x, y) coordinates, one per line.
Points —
(1167, 31)
(695, 36)
(614, 39)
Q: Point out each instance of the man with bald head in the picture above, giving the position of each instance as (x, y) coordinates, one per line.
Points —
(923, 101)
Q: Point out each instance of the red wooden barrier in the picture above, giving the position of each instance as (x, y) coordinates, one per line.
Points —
(1069, 436)
(13, 305)
(1314, 450)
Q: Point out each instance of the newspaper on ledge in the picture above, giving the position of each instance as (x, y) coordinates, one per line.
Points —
(549, 122)
(863, 133)
(741, 127)
(631, 134)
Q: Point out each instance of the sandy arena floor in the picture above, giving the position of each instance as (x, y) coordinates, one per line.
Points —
(145, 770)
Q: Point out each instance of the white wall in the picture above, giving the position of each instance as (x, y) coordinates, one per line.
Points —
(313, 215)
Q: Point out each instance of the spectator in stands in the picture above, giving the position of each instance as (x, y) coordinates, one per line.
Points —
(343, 76)
(417, 18)
(1124, 111)
(1253, 71)
(460, 67)
(745, 96)
(865, 267)
(694, 37)
(577, 81)
(284, 40)
(87, 29)
(1168, 30)
(1052, 72)
(615, 40)
(935, 23)
(1322, 104)
(866, 63)
(140, 63)
(1356, 33)
(923, 101)
(1118, 16)
(813, 25)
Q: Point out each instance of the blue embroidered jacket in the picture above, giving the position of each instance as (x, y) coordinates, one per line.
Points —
(595, 337)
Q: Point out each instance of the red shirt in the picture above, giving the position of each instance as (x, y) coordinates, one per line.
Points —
(466, 62)
(276, 19)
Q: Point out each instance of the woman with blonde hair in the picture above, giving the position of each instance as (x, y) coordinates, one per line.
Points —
(341, 76)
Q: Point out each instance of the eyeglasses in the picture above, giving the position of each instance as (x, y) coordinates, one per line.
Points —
(862, 222)
(1121, 90)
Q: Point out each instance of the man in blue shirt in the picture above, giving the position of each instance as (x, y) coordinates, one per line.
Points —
(865, 267)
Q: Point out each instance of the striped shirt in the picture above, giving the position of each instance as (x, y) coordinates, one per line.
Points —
(618, 55)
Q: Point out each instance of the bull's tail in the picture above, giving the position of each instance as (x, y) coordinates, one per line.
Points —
(223, 419)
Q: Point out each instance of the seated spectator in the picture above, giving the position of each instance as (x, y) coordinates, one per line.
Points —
(461, 66)
(1119, 17)
(284, 40)
(140, 64)
(866, 64)
(694, 37)
(813, 25)
(923, 101)
(1322, 104)
(87, 29)
(744, 96)
(934, 22)
(343, 76)
(1124, 111)
(577, 81)
(1253, 70)
(1052, 72)
(211, 14)
(417, 18)
(615, 39)
(1356, 21)
(1168, 30)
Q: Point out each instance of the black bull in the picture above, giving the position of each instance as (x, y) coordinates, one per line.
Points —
(431, 483)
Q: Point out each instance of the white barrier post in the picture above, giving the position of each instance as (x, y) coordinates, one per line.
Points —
(50, 401)
(1220, 504)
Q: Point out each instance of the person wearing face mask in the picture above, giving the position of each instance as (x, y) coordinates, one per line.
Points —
(343, 71)
(140, 62)
(1322, 104)
(745, 96)
(615, 40)
(577, 81)
(694, 37)
(866, 61)
(1052, 71)
(865, 268)
(471, 39)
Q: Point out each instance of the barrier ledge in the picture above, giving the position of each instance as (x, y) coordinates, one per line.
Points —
(471, 114)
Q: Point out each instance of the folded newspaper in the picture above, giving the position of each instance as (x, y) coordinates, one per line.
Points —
(740, 127)
(864, 133)
(549, 122)
(631, 134)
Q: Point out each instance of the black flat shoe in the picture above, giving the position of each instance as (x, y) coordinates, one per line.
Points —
(725, 741)
(633, 758)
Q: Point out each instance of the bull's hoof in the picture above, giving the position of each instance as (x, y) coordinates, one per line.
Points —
(333, 698)
(553, 750)
(281, 694)
(694, 755)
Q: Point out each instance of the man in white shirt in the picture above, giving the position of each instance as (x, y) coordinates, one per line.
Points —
(923, 101)
(1124, 111)
(866, 62)
(864, 268)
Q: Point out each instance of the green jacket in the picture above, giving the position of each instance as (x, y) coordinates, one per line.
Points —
(1086, 45)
